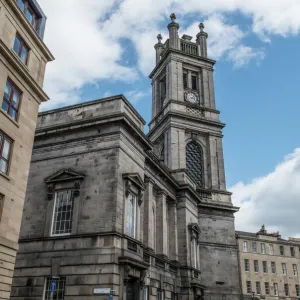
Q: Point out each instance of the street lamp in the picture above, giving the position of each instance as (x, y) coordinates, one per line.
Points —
(253, 294)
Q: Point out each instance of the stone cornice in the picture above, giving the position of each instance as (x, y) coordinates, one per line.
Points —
(23, 71)
(30, 30)
(219, 206)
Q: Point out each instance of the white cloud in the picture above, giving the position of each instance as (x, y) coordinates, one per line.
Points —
(136, 95)
(273, 200)
(84, 36)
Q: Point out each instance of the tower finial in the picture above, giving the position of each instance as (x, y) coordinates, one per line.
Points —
(201, 27)
(159, 37)
(173, 17)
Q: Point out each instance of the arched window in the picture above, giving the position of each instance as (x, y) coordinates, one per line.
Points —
(194, 162)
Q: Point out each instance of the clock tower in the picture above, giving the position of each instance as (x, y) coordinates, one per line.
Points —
(187, 136)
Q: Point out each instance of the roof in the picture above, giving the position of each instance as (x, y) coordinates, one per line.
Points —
(245, 233)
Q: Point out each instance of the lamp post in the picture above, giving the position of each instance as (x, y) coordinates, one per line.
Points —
(253, 294)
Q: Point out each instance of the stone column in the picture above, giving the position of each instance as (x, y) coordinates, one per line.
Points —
(148, 216)
(173, 234)
(161, 224)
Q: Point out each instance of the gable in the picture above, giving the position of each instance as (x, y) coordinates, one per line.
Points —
(64, 175)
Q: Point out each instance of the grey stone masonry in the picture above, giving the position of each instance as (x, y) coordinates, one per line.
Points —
(108, 207)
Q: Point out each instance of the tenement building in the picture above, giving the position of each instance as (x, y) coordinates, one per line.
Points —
(269, 265)
(110, 210)
(23, 58)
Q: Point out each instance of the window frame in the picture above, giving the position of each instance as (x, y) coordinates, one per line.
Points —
(245, 243)
(258, 287)
(286, 289)
(281, 250)
(193, 74)
(273, 267)
(292, 250)
(271, 248)
(297, 288)
(275, 284)
(249, 287)
(145, 292)
(22, 45)
(254, 248)
(185, 79)
(35, 23)
(4, 137)
(265, 266)
(295, 270)
(13, 89)
(284, 270)
(160, 292)
(49, 279)
(267, 288)
(256, 266)
(135, 197)
(263, 248)
(54, 212)
(247, 264)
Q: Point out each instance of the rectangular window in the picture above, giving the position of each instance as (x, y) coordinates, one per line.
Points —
(286, 289)
(256, 268)
(21, 49)
(271, 249)
(163, 89)
(281, 248)
(160, 294)
(258, 288)
(245, 246)
(283, 268)
(55, 288)
(247, 265)
(297, 287)
(131, 215)
(263, 248)
(267, 288)
(275, 285)
(292, 251)
(63, 213)
(265, 267)
(29, 13)
(295, 270)
(145, 293)
(273, 267)
(254, 248)
(5, 152)
(249, 287)
(185, 80)
(194, 253)
(11, 100)
(194, 82)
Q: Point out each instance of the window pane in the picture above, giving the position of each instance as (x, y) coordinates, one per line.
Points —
(24, 54)
(3, 166)
(185, 85)
(5, 105)
(15, 99)
(29, 15)
(7, 91)
(6, 149)
(17, 45)
(21, 4)
(13, 114)
(194, 82)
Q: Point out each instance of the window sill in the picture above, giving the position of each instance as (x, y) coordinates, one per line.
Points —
(20, 60)
(60, 235)
(7, 116)
(5, 176)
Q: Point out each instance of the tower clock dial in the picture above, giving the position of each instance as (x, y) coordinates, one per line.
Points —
(191, 97)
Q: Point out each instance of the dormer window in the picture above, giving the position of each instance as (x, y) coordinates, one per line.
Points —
(29, 13)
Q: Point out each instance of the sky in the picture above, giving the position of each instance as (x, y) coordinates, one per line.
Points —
(104, 48)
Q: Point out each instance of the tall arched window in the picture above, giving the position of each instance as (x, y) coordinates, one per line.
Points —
(194, 162)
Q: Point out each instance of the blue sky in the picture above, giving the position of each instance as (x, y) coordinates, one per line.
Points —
(256, 45)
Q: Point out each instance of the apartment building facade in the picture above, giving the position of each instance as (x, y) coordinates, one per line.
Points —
(269, 265)
(23, 58)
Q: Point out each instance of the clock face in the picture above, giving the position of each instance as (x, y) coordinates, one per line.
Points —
(191, 97)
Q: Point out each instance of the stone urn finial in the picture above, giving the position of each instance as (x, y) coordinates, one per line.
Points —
(173, 17)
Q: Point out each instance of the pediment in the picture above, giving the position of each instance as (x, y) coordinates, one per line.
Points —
(136, 179)
(64, 175)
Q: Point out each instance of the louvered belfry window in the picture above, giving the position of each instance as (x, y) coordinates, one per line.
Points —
(194, 162)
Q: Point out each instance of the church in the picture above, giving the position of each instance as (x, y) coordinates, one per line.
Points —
(112, 213)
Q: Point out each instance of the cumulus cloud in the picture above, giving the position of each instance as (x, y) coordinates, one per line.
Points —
(85, 36)
(272, 200)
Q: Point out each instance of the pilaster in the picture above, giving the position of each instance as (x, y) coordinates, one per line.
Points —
(173, 234)
(161, 224)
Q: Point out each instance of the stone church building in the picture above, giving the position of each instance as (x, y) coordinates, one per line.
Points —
(112, 213)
